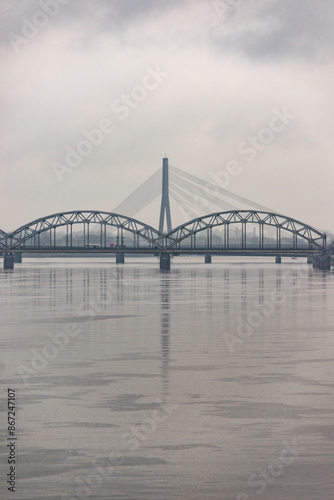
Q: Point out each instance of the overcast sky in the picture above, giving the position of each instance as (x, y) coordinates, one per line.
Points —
(206, 82)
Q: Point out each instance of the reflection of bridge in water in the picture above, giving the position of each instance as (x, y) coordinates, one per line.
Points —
(245, 232)
(116, 298)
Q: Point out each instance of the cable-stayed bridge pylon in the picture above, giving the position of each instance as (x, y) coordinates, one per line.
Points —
(193, 196)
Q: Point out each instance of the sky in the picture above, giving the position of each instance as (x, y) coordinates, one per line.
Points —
(95, 93)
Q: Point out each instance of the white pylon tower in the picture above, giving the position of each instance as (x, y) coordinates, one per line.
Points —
(165, 207)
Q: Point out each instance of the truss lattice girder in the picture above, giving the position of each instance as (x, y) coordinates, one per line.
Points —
(311, 235)
(24, 233)
(3, 239)
(153, 236)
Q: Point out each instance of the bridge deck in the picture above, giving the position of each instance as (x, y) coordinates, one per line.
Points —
(173, 251)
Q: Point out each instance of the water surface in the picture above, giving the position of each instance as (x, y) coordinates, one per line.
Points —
(208, 381)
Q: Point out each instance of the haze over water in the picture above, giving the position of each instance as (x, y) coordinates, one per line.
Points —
(208, 381)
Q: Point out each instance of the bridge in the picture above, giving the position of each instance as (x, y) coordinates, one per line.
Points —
(255, 231)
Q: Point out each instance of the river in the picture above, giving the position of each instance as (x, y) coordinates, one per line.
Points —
(210, 381)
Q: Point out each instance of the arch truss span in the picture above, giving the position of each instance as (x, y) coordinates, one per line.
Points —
(247, 229)
(43, 233)
(3, 239)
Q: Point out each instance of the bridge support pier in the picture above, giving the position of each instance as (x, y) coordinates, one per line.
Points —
(208, 259)
(316, 262)
(120, 258)
(310, 259)
(325, 262)
(165, 261)
(8, 261)
(18, 257)
(278, 259)
(322, 262)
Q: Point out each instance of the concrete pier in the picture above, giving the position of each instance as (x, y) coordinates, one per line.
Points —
(325, 262)
(310, 259)
(8, 261)
(208, 259)
(18, 257)
(316, 261)
(322, 261)
(120, 258)
(165, 261)
(278, 259)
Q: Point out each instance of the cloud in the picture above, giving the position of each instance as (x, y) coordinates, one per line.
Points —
(267, 29)
(226, 74)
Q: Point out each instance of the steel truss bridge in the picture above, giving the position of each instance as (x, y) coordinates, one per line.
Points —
(229, 232)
